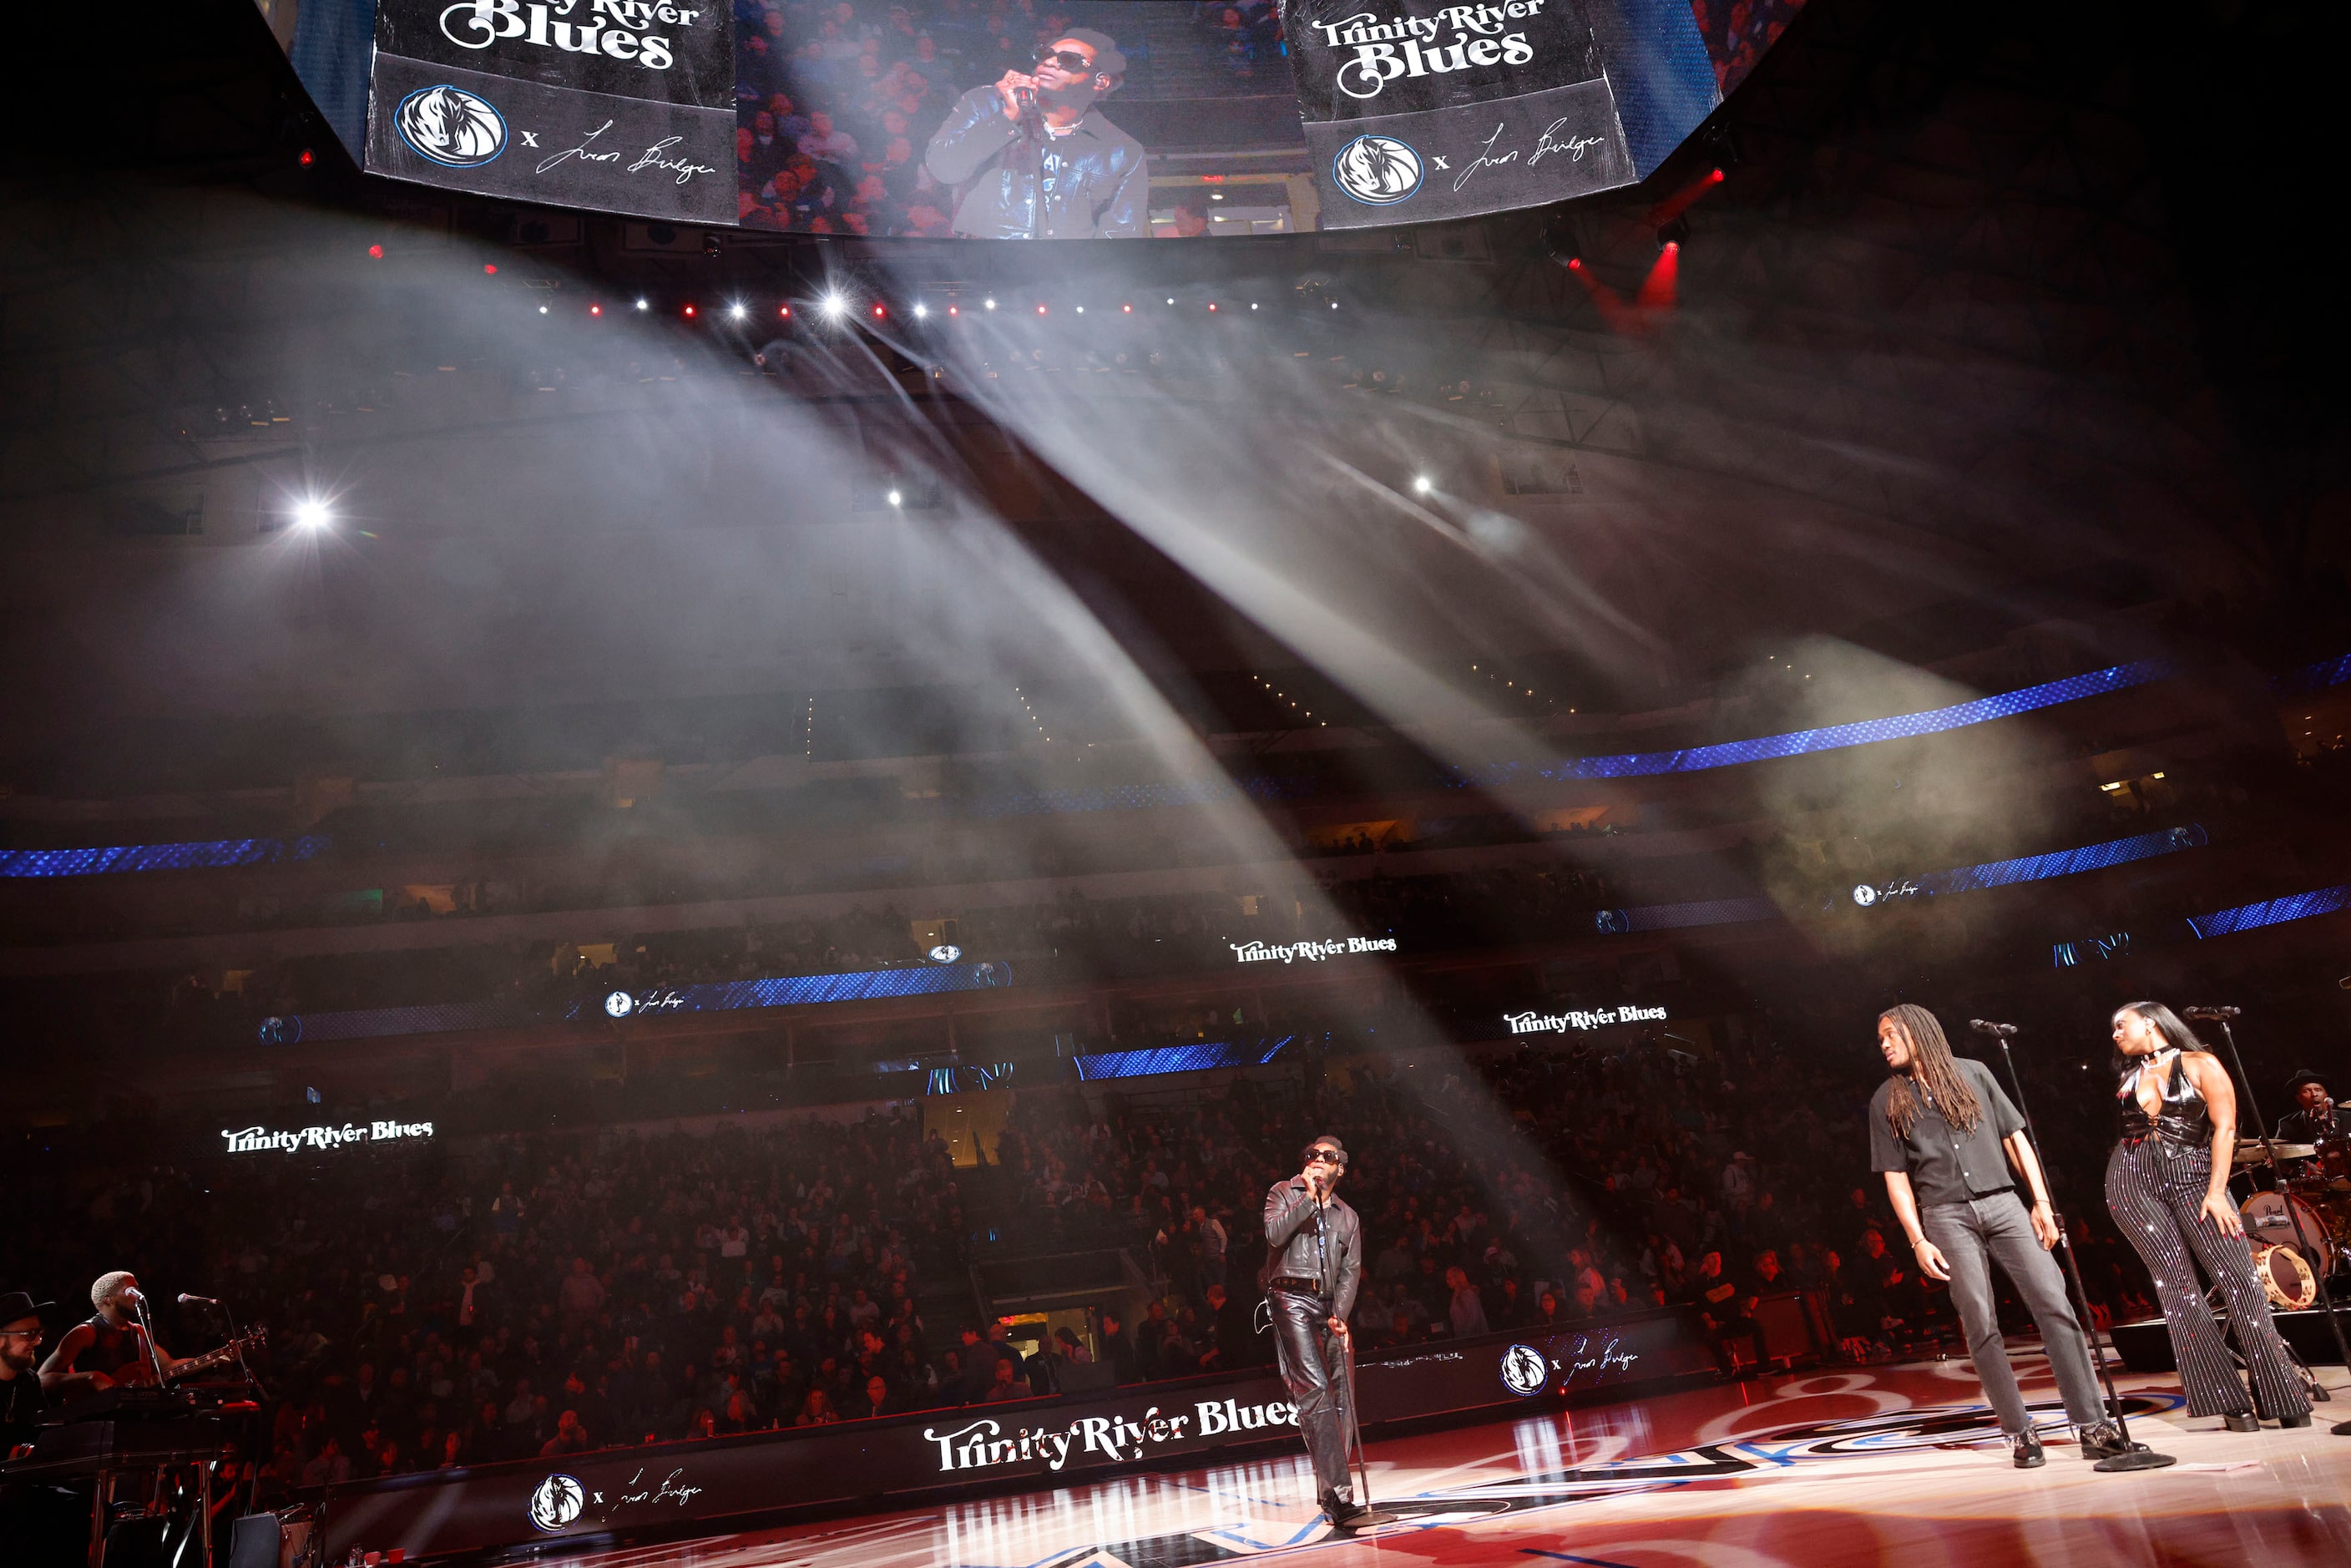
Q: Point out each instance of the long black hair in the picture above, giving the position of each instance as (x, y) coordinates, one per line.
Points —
(1933, 1067)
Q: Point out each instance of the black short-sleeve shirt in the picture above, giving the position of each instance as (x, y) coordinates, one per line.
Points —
(1945, 1165)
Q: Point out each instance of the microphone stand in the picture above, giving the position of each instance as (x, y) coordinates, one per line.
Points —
(2277, 1174)
(2135, 1456)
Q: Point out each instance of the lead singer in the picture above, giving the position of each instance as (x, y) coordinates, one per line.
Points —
(1314, 1264)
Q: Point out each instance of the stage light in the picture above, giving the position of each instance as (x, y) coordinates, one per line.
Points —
(953, 310)
(736, 311)
(490, 268)
(878, 312)
(689, 311)
(1127, 309)
(1216, 195)
(834, 306)
(1334, 305)
(896, 498)
(1082, 309)
(595, 311)
(1171, 299)
(311, 515)
(1212, 305)
(1252, 304)
(1040, 310)
(542, 309)
(1421, 483)
(921, 312)
(992, 304)
(784, 311)
(642, 306)
(376, 251)
(308, 158)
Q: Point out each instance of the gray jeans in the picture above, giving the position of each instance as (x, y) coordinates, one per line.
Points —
(1970, 1235)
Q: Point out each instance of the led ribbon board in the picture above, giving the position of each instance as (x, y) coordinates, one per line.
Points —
(160, 857)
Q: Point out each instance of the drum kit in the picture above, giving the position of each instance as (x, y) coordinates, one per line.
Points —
(2304, 1223)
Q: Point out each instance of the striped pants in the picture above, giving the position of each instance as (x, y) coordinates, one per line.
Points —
(2155, 1192)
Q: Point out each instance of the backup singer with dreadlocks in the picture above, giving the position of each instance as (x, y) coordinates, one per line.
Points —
(1952, 1146)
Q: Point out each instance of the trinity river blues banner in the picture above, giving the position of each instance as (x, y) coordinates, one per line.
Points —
(935, 1453)
(1417, 111)
(622, 105)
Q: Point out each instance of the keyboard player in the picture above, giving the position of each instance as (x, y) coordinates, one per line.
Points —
(41, 1524)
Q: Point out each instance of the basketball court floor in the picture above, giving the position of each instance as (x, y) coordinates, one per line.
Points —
(1896, 1464)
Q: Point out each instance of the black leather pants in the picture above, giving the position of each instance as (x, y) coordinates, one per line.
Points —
(1314, 1369)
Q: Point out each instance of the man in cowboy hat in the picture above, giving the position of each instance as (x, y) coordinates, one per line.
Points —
(2314, 1115)
(20, 1386)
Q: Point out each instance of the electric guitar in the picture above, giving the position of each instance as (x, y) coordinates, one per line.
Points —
(141, 1373)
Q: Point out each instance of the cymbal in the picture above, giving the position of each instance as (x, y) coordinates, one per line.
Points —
(2253, 1153)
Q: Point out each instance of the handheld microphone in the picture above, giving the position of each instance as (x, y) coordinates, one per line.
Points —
(2212, 1012)
(1026, 99)
(1985, 1026)
(187, 1300)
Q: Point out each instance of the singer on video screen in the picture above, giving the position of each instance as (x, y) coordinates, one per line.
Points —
(1033, 157)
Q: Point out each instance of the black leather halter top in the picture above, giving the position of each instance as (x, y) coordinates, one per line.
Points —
(2185, 1117)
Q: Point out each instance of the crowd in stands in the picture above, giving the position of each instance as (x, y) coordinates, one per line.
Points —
(551, 1293)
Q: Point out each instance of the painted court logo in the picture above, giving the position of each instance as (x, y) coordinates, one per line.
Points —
(454, 128)
(1378, 171)
(556, 1502)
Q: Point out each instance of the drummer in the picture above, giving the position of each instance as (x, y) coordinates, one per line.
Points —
(2314, 1118)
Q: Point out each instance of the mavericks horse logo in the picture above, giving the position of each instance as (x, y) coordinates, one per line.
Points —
(1525, 1373)
(556, 1502)
(452, 126)
(1378, 171)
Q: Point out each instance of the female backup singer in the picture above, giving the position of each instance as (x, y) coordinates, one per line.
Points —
(2167, 1184)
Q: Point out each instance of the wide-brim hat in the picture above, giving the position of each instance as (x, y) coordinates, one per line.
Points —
(2294, 1083)
(15, 1305)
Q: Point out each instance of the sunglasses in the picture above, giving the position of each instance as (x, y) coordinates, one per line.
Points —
(1068, 60)
(1321, 1156)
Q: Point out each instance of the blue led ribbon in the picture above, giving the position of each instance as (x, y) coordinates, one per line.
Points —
(2271, 911)
(1898, 726)
(1156, 1060)
(160, 857)
(2061, 862)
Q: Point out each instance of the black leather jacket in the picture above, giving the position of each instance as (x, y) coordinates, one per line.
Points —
(1094, 182)
(1295, 1246)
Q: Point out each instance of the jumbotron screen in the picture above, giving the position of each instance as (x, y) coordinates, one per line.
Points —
(1023, 119)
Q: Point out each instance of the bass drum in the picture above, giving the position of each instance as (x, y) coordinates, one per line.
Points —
(2291, 1285)
(2272, 1219)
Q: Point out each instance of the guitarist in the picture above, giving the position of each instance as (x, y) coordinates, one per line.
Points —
(108, 1349)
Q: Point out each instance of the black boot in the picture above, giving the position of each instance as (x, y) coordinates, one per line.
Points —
(2241, 1422)
(2026, 1446)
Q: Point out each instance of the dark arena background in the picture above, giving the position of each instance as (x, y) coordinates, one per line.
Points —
(705, 776)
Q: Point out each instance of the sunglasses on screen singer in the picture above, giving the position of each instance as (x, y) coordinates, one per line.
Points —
(1068, 60)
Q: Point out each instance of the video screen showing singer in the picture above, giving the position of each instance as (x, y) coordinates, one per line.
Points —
(1032, 156)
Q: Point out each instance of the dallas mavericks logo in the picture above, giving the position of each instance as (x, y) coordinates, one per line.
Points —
(450, 126)
(1378, 171)
(1525, 1373)
(556, 1502)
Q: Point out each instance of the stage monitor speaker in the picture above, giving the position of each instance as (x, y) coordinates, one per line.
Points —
(253, 1541)
(136, 1544)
